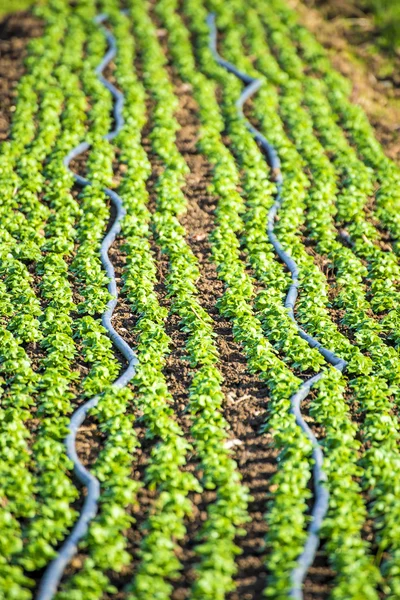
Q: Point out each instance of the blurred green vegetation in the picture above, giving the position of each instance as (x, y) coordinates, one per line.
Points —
(7, 6)
(387, 19)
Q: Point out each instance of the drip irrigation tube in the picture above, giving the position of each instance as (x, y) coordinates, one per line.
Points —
(54, 572)
(321, 495)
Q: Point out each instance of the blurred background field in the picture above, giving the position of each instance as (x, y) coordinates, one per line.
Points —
(378, 20)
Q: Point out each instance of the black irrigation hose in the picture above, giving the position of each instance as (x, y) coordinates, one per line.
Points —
(54, 572)
(321, 494)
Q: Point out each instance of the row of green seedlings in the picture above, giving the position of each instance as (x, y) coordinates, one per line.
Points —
(352, 118)
(215, 153)
(345, 491)
(50, 511)
(216, 548)
(54, 491)
(62, 333)
(292, 194)
(235, 303)
(322, 188)
(88, 333)
(320, 191)
(356, 182)
(385, 367)
(355, 502)
(269, 126)
(158, 564)
(384, 268)
(114, 462)
(39, 102)
(161, 472)
(379, 391)
(113, 467)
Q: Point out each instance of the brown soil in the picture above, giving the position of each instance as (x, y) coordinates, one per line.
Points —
(89, 440)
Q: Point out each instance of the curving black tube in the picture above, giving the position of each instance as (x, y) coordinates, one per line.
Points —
(321, 495)
(54, 572)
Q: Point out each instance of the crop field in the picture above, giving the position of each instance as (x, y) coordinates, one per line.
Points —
(200, 316)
